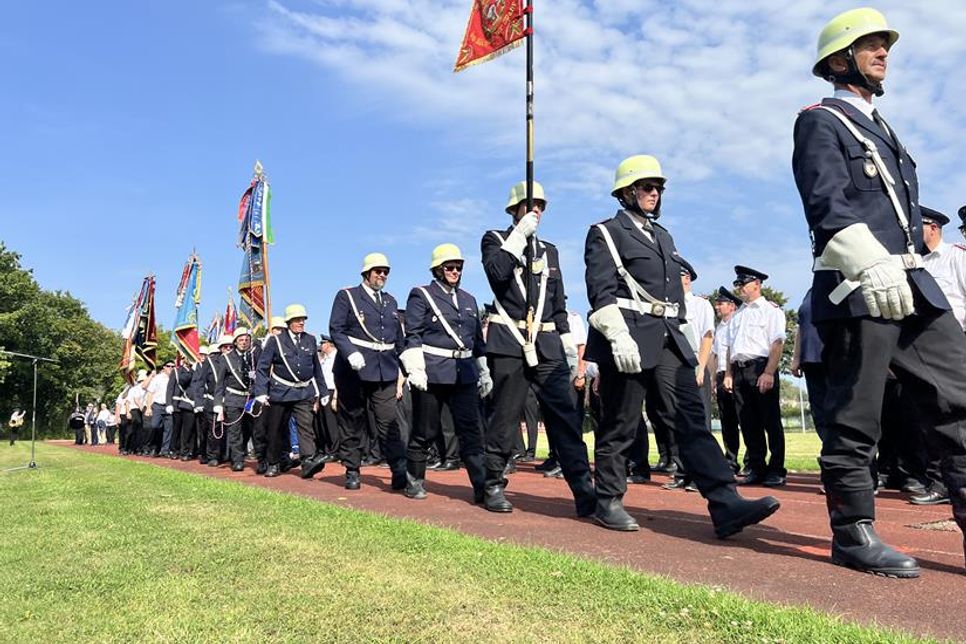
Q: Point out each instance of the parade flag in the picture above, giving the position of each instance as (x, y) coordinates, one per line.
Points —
(254, 234)
(185, 337)
(213, 330)
(230, 321)
(494, 28)
(140, 332)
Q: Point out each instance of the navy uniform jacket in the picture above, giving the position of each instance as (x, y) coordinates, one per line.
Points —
(829, 167)
(196, 389)
(424, 328)
(499, 266)
(303, 358)
(383, 324)
(179, 385)
(654, 265)
(211, 375)
(234, 377)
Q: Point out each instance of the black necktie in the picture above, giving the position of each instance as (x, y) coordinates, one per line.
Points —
(885, 128)
(379, 299)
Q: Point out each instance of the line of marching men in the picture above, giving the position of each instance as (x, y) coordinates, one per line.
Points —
(638, 338)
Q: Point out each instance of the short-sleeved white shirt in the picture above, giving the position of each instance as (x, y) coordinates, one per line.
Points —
(577, 329)
(754, 328)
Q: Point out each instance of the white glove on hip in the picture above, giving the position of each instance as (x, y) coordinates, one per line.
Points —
(356, 361)
(886, 291)
(610, 322)
(485, 382)
(418, 379)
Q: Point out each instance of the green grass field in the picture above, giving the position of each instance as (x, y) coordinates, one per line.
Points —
(94, 548)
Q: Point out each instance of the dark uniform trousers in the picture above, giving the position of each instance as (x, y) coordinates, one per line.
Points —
(185, 418)
(531, 418)
(357, 398)
(679, 406)
(122, 433)
(201, 429)
(667, 446)
(927, 354)
(135, 431)
(447, 443)
(328, 428)
(760, 415)
(728, 414)
(239, 427)
(216, 445)
(463, 402)
(276, 417)
(558, 401)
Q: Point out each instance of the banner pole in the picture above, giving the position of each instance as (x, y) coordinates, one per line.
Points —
(528, 254)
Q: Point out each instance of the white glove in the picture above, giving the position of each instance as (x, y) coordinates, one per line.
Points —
(217, 409)
(528, 224)
(485, 382)
(418, 379)
(516, 241)
(169, 409)
(198, 410)
(324, 400)
(610, 322)
(262, 400)
(856, 252)
(356, 361)
(570, 350)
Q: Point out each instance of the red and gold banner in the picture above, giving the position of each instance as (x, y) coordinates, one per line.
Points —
(494, 28)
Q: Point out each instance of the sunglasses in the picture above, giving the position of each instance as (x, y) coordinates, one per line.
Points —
(648, 187)
(381, 271)
(453, 268)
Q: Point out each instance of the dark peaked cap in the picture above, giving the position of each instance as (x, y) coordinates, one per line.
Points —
(934, 216)
(743, 275)
(687, 268)
(725, 295)
(962, 213)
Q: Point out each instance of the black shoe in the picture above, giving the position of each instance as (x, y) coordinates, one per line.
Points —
(675, 484)
(743, 513)
(691, 487)
(414, 488)
(494, 500)
(448, 466)
(185, 459)
(555, 473)
(273, 471)
(638, 478)
(433, 465)
(611, 514)
(752, 478)
(261, 468)
(237, 467)
(547, 465)
(526, 458)
(912, 486)
(774, 480)
(352, 481)
(399, 481)
(213, 462)
(329, 458)
(660, 466)
(930, 497)
(371, 462)
(286, 464)
(312, 466)
(857, 546)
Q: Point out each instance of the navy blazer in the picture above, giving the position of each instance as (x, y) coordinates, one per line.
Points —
(423, 327)
(500, 266)
(283, 358)
(211, 375)
(234, 377)
(655, 266)
(382, 323)
(179, 385)
(196, 389)
(829, 167)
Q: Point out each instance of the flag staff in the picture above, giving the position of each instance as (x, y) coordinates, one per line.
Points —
(528, 253)
(260, 175)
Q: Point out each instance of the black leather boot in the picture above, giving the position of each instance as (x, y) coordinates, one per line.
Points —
(494, 501)
(854, 541)
(261, 468)
(585, 496)
(414, 488)
(352, 480)
(741, 513)
(611, 514)
(312, 466)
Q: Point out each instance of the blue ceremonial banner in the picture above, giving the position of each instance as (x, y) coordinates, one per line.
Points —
(185, 336)
(254, 233)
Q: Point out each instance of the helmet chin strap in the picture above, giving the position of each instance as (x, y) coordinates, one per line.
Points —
(636, 208)
(853, 76)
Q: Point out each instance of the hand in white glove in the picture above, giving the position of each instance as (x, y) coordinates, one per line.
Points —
(610, 322)
(324, 400)
(169, 409)
(886, 291)
(356, 361)
(570, 351)
(198, 410)
(485, 381)
(419, 379)
(262, 400)
(528, 224)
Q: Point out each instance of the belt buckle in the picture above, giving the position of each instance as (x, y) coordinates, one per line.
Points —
(456, 354)
(658, 309)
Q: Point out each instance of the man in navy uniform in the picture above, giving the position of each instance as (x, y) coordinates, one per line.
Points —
(365, 328)
(444, 358)
(232, 402)
(212, 373)
(875, 305)
(196, 391)
(182, 409)
(519, 356)
(288, 379)
(637, 297)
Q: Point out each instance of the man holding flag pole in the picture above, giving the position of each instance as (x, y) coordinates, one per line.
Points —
(529, 340)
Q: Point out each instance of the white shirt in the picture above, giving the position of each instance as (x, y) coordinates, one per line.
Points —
(754, 328)
(327, 361)
(135, 397)
(700, 317)
(372, 292)
(947, 264)
(720, 345)
(639, 222)
(159, 389)
(577, 329)
(104, 416)
(855, 101)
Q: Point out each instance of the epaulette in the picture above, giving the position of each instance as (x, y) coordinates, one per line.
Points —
(809, 107)
(960, 246)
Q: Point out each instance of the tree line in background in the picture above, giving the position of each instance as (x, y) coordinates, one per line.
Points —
(55, 325)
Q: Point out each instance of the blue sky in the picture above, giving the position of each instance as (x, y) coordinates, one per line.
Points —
(130, 130)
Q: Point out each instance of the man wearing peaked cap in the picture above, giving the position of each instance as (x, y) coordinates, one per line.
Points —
(962, 219)
(725, 305)
(875, 305)
(756, 336)
(289, 384)
(365, 327)
(635, 290)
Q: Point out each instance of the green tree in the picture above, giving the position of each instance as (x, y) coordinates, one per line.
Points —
(791, 322)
